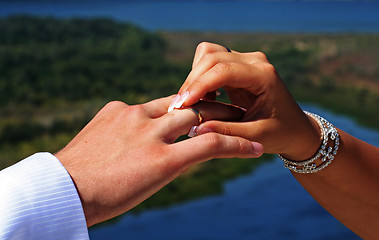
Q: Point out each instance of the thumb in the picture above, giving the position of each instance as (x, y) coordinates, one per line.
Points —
(214, 145)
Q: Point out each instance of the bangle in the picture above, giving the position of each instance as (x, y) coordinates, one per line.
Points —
(327, 151)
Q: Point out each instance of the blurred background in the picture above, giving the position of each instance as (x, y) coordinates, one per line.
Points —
(61, 61)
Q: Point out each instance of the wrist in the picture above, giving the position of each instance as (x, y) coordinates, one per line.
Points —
(307, 143)
(78, 177)
(324, 155)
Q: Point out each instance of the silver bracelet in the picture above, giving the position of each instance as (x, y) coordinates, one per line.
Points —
(326, 152)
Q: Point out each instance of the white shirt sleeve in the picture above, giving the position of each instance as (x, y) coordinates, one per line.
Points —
(38, 200)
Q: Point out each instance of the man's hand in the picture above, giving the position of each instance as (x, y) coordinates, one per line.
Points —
(127, 153)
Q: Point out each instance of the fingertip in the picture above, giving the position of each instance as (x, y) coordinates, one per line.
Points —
(173, 103)
(258, 149)
(193, 97)
(182, 99)
(192, 132)
(203, 129)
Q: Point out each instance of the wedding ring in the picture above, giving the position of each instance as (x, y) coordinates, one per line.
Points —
(199, 117)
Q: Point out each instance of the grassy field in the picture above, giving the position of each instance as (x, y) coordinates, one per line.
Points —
(56, 74)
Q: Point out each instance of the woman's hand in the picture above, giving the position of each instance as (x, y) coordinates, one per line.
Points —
(348, 188)
(273, 118)
(127, 153)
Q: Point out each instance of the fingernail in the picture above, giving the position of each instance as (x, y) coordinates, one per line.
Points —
(192, 132)
(243, 109)
(174, 101)
(202, 130)
(257, 148)
(181, 100)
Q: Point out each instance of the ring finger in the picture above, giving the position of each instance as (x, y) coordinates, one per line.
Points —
(179, 121)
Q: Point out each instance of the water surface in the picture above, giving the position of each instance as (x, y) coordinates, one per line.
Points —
(266, 204)
(207, 15)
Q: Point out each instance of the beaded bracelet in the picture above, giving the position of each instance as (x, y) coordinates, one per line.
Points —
(326, 152)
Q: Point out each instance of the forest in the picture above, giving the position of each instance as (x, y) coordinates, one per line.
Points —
(55, 74)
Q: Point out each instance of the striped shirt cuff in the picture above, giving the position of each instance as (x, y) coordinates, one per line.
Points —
(39, 201)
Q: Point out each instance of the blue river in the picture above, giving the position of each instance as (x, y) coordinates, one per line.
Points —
(266, 204)
(214, 15)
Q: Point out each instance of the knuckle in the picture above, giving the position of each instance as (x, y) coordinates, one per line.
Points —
(226, 131)
(113, 107)
(116, 105)
(203, 47)
(123, 111)
(111, 110)
(136, 110)
(213, 141)
(261, 55)
(242, 147)
(210, 58)
(268, 67)
(222, 68)
(271, 75)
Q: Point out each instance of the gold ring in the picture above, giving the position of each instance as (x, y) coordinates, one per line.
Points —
(199, 117)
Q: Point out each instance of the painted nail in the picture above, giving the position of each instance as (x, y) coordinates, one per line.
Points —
(202, 130)
(181, 100)
(243, 109)
(192, 132)
(174, 101)
(257, 148)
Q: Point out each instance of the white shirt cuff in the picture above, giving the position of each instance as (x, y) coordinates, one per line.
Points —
(39, 201)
